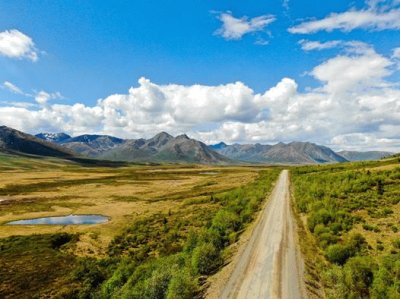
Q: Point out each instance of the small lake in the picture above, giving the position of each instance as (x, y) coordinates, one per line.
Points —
(62, 220)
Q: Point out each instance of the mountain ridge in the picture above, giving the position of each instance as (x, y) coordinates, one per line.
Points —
(290, 153)
(164, 147)
(17, 142)
(364, 156)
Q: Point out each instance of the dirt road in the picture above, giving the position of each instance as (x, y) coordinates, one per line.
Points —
(269, 266)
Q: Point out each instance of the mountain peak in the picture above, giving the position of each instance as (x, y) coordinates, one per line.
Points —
(162, 135)
(159, 140)
(53, 137)
(15, 141)
(218, 146)
(182, 136)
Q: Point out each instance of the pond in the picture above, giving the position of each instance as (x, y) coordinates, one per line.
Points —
(62, 220)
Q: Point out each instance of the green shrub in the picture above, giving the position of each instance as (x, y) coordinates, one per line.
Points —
(57, 240)
(156, 286)
(338, 253)
(380, 247)
(396, 243)
(182, 285)
(119, 277)
(206, 258)
(368, 227)
(321, 216)
(358, 273)
(356, 243)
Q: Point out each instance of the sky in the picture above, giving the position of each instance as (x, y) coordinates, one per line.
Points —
(233, 71)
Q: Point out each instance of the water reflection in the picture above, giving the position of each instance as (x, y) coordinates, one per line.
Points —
(63, 220)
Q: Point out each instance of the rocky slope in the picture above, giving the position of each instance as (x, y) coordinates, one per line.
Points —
(17, 142)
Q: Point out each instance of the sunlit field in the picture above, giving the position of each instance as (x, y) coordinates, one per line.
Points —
(153, 211)
(350, 213)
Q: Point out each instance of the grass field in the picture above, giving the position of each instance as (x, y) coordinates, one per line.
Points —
(160, 216)
(350, 213)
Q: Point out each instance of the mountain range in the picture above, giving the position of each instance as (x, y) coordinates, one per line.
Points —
(161, 148)
(166, 148)
(291, 153)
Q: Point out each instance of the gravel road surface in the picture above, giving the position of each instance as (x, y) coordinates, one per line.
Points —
(270, 264)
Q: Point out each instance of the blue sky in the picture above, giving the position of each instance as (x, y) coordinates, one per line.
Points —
(81, 51)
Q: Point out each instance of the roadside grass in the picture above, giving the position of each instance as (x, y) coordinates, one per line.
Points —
(351, 212)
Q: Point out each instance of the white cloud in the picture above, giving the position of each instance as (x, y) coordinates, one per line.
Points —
(355, 141)
(354, 107)
(396, 53)
(372, 18)
(307, 45)
(42, 97)
(235, 28)
(344, 72)
(12, 88)
(15, 44)
(349, 47)
(261, 42)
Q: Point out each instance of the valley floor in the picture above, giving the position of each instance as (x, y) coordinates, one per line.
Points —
(155, 211)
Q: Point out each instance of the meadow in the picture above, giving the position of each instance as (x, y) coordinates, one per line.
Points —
(348, 217)
(171, 226)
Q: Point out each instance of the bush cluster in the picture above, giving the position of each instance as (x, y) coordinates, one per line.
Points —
(168, 256)
(330, 197)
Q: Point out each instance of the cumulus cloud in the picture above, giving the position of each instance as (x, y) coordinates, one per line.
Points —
(15, 44)
(377, 16)
(354, 107)
(235, 28)
(364, 69)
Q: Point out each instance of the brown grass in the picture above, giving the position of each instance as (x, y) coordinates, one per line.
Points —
(123, 194)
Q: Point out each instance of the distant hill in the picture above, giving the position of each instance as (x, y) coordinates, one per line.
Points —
(53, 137)
(91, 145)
(363, 156)
(161, 148)
(17, 142)
(166, 148)
(291, 153)
(245, 152)
(302, 153)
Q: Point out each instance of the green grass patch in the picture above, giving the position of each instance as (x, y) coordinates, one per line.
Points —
(35, 266)
(332, 199)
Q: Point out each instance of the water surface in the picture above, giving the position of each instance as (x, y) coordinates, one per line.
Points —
(62, 220)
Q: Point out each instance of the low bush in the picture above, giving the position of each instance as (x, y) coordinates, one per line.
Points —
(206, 259)
(164, 256)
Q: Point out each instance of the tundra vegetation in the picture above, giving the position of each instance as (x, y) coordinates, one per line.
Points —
(349, 228)
(171, 226)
